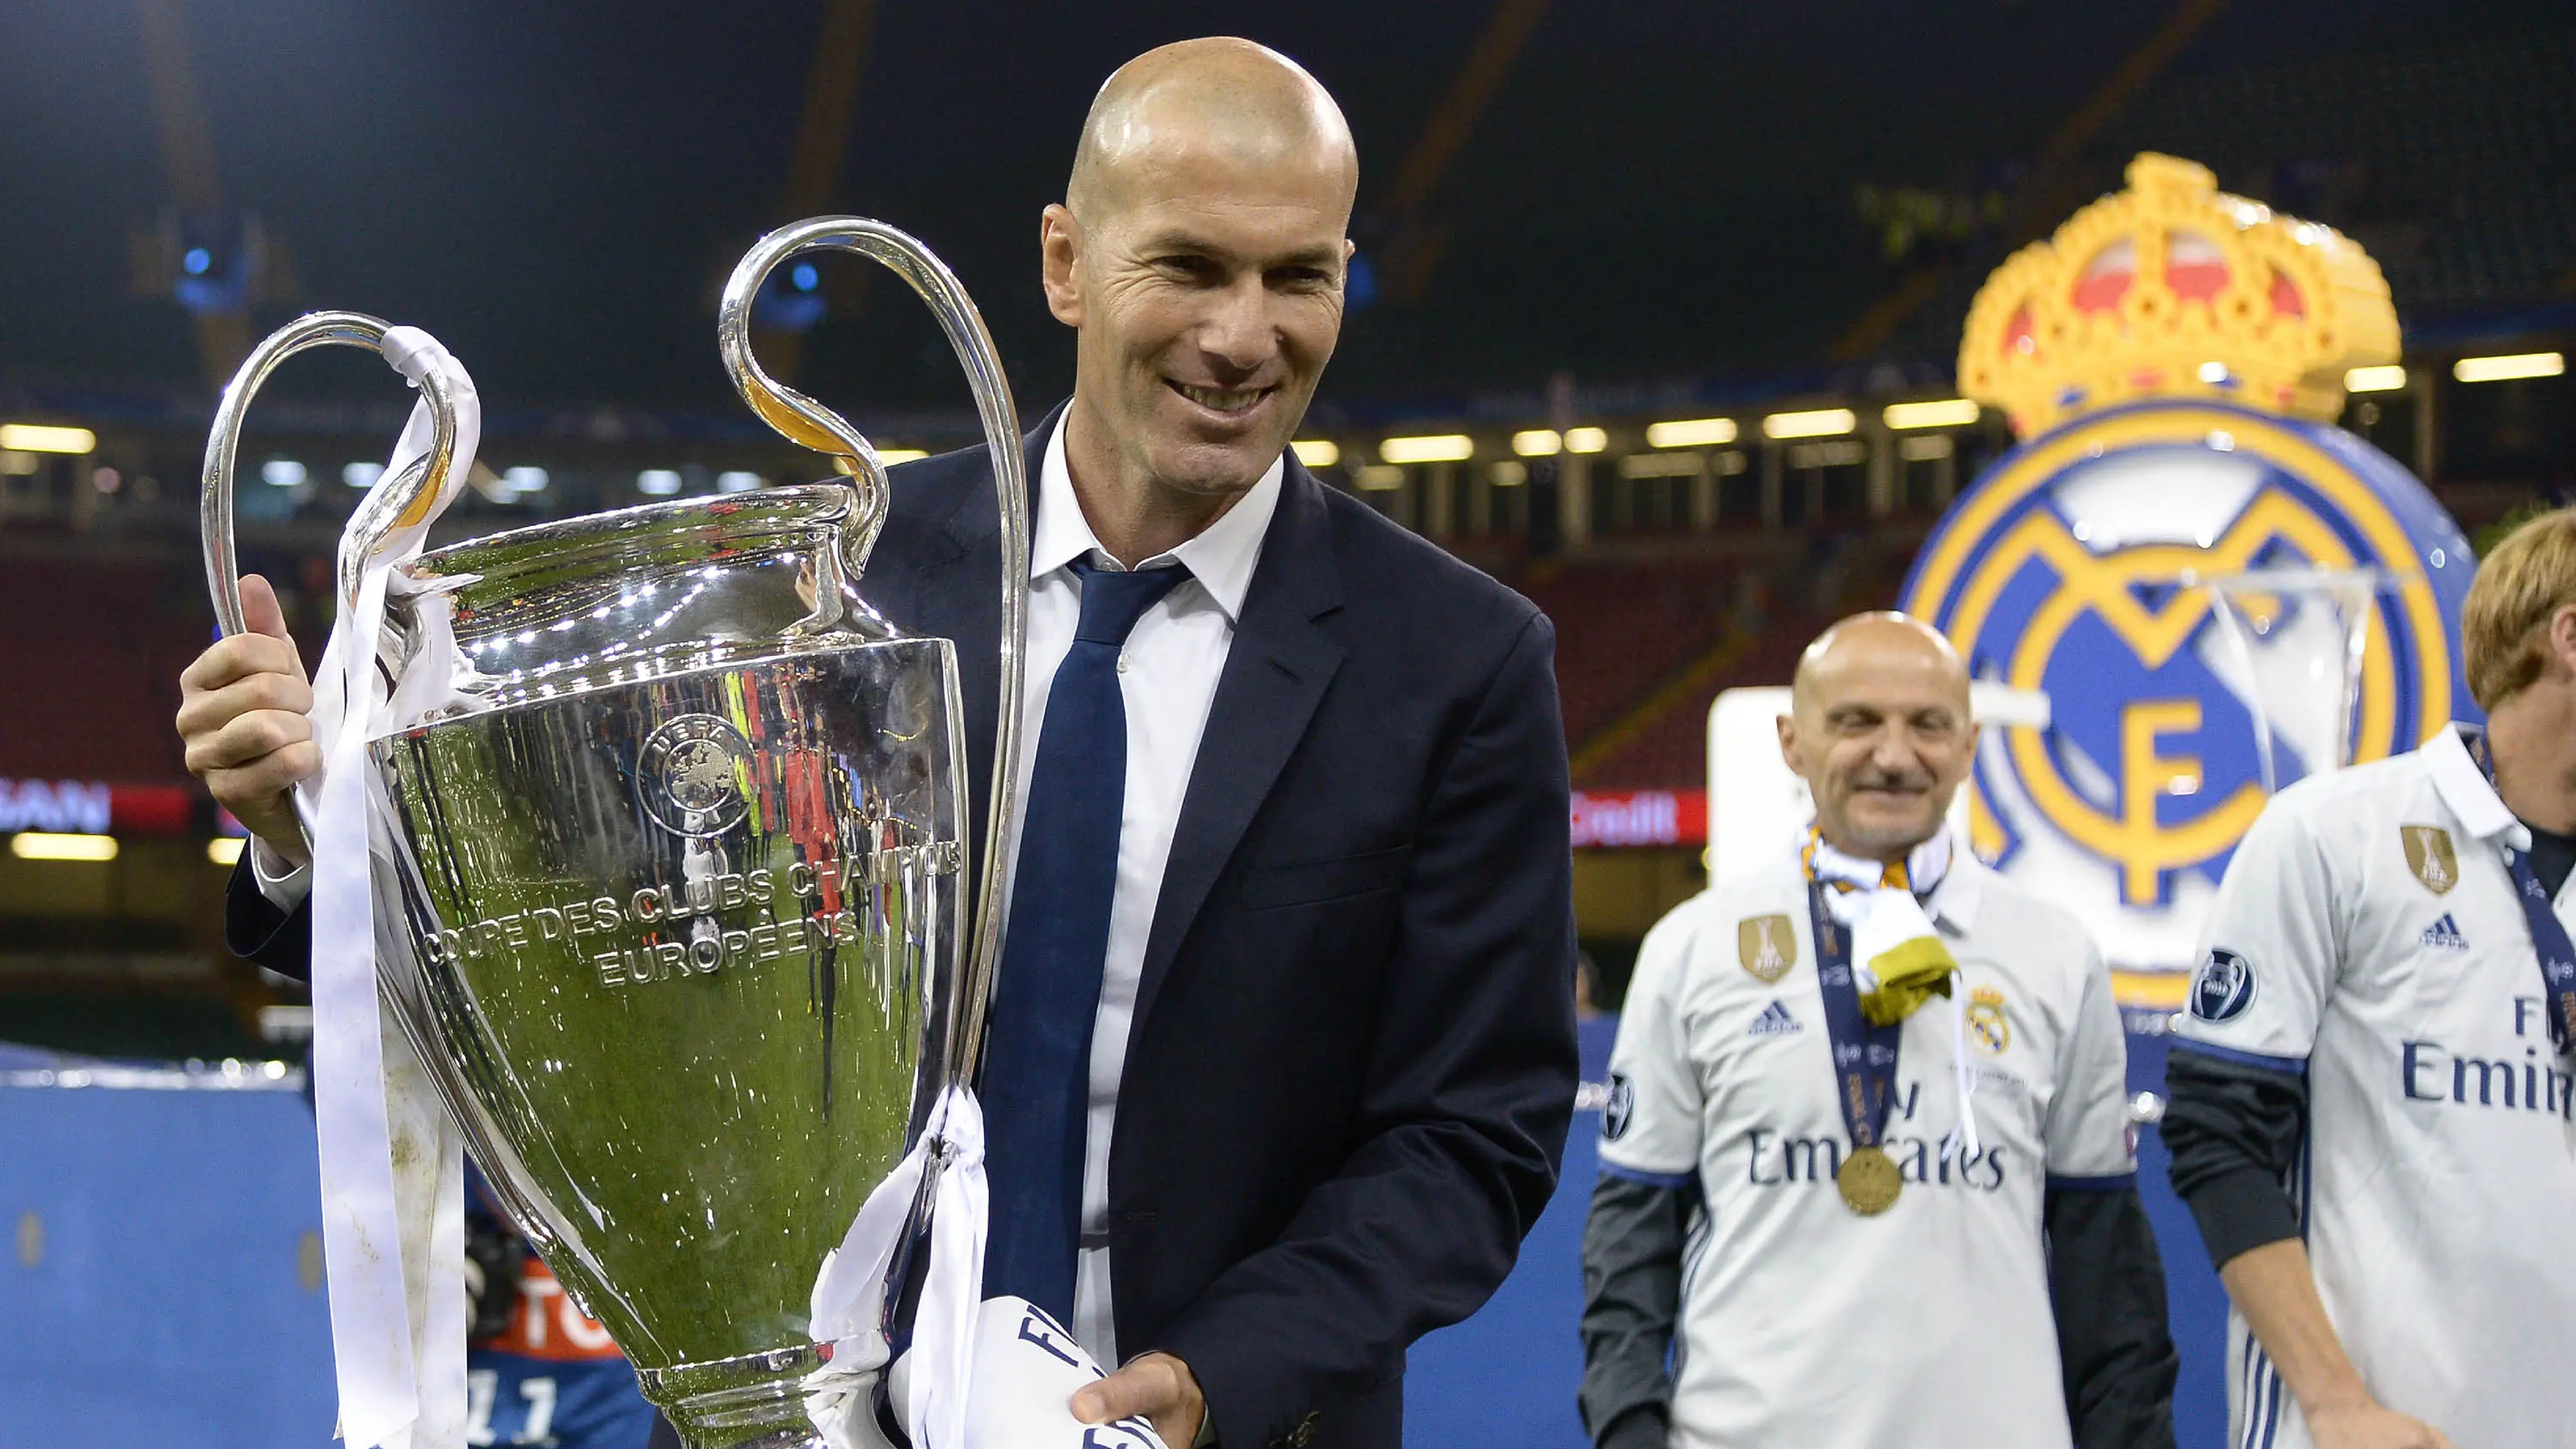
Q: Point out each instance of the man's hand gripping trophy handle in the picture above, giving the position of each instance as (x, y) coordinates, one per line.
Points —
(244, 715)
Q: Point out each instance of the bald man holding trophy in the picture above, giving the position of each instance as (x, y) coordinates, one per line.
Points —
(1256, 1060)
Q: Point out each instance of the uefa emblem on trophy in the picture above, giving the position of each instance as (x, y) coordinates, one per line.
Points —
(664, 831)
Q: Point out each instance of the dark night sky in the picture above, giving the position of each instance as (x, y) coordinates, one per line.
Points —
(1662, 187)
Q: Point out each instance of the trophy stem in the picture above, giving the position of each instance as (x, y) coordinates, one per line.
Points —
(756, 1401)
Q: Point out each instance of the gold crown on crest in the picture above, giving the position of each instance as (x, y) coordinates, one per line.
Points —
(2174, 288)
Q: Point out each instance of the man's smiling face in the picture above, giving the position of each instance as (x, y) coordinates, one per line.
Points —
(1880, 730)
(1207, 290)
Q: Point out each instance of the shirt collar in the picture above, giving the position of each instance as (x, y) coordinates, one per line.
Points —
(2465, 791)
(1221, 556)
(1953, 902)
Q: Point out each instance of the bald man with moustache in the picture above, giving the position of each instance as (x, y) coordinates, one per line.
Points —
(1282, 1044)
(1866, 1173)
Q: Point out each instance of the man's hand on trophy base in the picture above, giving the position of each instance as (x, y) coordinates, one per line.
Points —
(1156, 1385)
(243, 715)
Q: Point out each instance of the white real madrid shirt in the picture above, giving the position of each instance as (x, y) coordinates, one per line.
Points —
(1802, 1324)
(1167, 676)
(2368, 934)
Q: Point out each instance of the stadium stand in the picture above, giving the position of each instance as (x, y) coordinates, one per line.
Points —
(106, 661)
(1654, 734)
(1651, 626)
(2468, 192)
(2452, 163)
(1636, 622)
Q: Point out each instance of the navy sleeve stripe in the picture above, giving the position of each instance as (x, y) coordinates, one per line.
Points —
(1651, 1179)
(2292, 1066)
(2117, 1182)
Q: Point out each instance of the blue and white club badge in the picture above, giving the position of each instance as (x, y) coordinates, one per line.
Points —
(2223, 987)
(2219, 591)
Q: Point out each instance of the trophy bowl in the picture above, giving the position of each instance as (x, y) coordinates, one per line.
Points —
(669, 878)
(677, 882)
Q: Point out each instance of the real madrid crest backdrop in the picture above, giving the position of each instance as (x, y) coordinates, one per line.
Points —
(2218, 592)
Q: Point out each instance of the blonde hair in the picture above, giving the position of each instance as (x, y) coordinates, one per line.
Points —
(2519, 588)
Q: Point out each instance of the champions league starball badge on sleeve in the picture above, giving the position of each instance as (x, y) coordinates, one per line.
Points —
(664, 849)
(2219, 591)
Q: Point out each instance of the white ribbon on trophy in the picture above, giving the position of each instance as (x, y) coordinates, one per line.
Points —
(981, 1373)
(849, 1294)
(393, 1191)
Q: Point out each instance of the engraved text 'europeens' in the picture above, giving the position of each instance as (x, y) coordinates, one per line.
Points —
(657, 909)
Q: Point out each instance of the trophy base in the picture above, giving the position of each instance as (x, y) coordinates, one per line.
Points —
(756, 1401)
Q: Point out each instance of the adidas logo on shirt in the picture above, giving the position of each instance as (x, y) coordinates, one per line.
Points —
(2445, 933)
(1775, 1020)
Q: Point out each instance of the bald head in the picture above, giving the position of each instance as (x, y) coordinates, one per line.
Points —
(1199, 255)
(1879, 727)
(1213, 98)
(1878, 644)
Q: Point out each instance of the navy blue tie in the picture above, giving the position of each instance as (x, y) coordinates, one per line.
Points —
(1037, 1068)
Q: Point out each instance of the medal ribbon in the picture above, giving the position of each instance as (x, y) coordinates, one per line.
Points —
(1864, 1054)
(2548, 933)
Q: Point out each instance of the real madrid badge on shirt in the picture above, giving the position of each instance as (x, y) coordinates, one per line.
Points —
(1989, 1028)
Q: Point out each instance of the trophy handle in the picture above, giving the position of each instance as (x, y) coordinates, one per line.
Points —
(394, 503)
(800, 419)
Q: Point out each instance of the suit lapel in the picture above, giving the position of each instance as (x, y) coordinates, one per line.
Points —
(1276, 671)
(958, 595)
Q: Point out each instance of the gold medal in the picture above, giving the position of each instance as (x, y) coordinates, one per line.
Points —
(1869, 1181)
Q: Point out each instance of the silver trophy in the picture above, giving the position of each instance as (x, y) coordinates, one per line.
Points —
(671, 896)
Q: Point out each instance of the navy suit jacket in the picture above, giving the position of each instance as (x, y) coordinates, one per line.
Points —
(1352, 1064)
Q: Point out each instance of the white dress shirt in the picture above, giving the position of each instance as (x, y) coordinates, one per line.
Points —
(1167, 675)
(284, 886)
